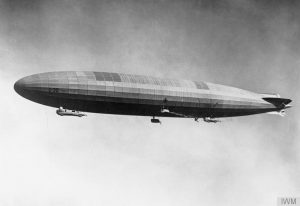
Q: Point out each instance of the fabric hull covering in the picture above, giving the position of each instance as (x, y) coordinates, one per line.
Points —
(114, 93)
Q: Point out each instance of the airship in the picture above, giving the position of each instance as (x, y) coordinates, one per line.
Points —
(76, 92)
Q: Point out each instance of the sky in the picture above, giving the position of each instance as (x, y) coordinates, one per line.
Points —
(113, 160)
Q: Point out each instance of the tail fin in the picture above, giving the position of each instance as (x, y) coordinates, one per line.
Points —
(278, 102)
(280, 112)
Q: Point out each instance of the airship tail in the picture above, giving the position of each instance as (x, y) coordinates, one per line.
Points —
(280, 112)
(280, 103)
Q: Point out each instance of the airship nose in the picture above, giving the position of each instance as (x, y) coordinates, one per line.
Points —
(25, 86)
(20, 86)
(34, 88)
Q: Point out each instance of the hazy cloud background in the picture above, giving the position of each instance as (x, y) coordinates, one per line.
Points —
(121, 160)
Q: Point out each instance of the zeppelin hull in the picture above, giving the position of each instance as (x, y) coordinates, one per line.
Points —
(113, 93)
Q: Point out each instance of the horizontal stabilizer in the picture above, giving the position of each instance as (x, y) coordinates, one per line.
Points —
(280, 113)
(278, 102)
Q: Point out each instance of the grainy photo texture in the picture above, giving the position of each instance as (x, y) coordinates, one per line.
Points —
(172, 49)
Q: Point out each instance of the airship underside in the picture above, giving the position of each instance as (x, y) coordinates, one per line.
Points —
(115, 93)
